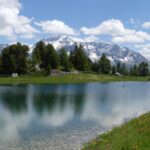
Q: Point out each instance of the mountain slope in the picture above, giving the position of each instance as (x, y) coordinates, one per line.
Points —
(95, 49)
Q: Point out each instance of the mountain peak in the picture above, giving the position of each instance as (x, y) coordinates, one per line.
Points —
(95, 49)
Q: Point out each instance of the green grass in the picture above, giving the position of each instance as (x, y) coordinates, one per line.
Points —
(134, 135)
(81, 78)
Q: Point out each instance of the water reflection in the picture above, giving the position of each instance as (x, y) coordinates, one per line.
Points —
(28, 111)
(14, 98)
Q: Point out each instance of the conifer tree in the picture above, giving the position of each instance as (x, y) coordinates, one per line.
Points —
(124, 70)
(64, 59)
(79, 59)
(51, 57)
(119, 67)
(1, 69)
(114, 69)
(134, 71)
(143, 69)
(14, 59)
(104, 65)
(95, 67)
(39, 53)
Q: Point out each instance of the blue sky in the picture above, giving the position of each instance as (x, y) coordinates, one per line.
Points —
(125, 22)
(79, 13)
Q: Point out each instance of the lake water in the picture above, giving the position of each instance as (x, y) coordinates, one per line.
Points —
(63, 117)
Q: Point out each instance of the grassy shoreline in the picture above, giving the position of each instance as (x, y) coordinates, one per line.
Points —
(80, 78)
(134, 135)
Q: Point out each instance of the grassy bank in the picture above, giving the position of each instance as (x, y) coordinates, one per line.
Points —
(134, 135)
(81, 78)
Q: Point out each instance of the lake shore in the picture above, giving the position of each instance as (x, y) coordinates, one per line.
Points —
(78, 78)
(133, 135)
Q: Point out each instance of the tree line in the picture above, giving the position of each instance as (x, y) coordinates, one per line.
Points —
(44, 58)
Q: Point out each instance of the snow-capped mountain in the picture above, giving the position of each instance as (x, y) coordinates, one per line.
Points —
(2, 46)
(95, 49)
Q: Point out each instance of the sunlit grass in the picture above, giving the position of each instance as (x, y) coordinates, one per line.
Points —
(134, 135)
(79, 78)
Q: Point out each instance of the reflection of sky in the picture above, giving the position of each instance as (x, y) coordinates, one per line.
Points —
(115, 102)
(101, 104)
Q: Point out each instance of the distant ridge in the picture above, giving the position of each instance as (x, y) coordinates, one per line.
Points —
(94, 50)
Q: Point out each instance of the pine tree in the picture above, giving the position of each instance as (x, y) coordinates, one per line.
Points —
(72, 56)
(119, 67)
(64, 59)
(104, 65)
(71, 61)
(1, 69)
(14, 59)
(51, 57)
(79, 59)
(134, 70)
(45, 56)
(114, 70)
(124, 70)
(143, 69)
(95, 66)
(48, 69)
(39, 53)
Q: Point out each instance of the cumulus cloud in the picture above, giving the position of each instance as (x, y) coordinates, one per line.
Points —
(55, 27)
(146, 25)
(127, 39)
(119, 33)
(13, 24)
(144, 49)
(90, 39)
(111, 27)
(132, 38)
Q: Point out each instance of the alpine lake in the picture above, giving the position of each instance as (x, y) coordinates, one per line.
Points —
(66, 116)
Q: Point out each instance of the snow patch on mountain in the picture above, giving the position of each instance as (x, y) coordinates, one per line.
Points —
(94, 50)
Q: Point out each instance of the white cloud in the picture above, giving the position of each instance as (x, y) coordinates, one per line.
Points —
(146, 25)
(55, 27)
(133, 38)
(144, 49)
(119, 33)
(90, 39)
(127, 39)
(111, 27)
(13, 24)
